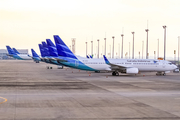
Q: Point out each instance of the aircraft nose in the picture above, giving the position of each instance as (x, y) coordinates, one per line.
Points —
(174, 66)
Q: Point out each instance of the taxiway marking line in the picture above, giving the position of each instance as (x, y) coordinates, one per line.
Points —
(5, 100)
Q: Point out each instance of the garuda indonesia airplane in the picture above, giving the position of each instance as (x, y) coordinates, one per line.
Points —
(46, 55)
(15, 54)
(127, 66)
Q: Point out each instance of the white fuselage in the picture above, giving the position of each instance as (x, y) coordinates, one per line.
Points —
(22, 57)
(143, 65)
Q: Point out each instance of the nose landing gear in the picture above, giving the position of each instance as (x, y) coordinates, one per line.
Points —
(160, 73)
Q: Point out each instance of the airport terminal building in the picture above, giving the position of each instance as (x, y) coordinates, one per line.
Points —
(3, 53)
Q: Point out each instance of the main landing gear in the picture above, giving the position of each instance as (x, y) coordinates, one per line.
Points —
(115, 73)
(48, 67)
(160, 73)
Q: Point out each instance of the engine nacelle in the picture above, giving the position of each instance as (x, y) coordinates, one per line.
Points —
(132, 70)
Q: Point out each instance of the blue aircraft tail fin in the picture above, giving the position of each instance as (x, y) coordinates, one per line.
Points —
(34, 53)
(91, 56)
(62, 48)
(16, 51)
(106, 60)
(41, 50)
(52, 48)
(87, 56)
(10, 51)
(45, 49)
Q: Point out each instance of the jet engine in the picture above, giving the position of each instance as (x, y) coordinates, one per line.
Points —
(131, 71)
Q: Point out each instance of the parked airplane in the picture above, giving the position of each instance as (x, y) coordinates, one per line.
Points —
(35, 56)
(17, 56)
(128, 66)
(46, 56)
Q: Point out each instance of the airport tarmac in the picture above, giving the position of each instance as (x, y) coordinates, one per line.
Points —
(29, 91)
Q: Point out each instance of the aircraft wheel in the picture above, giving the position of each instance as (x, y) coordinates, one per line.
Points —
(164, 74)
(50, 67)
(117, 74)
(113, 73)
(47, 67)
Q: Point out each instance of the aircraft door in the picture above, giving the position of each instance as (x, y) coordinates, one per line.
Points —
(163, 64)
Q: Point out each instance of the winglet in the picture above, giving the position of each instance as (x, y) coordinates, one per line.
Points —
(106, 60)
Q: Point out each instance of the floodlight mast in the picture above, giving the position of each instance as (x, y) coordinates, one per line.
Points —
(133, 46)
(164, 41)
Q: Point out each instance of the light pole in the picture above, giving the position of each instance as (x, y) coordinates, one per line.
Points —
(142, 48)
(113, 47)
(86, 49)
(139, 54)
(129, 50)
(118, 50)
(122, 46)
(158, 50)
(92, 48)
(175, 56)
(178, 50)
(98, 48)
(164, 42)
(133, 46)
(105, 47)
(147, 44)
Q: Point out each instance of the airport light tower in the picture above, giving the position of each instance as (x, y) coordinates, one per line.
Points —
(147, 44)
(133, 46)
(178, 50)
(164, 42)
(129, 50)
(142, 48)
(74, 45)
(91, 47)
(113, 47)
(105, 47)
(98, 48)
(86, 49)
(122, 46)
(158, 49)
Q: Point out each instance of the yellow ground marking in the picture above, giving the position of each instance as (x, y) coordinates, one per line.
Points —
(5, 100)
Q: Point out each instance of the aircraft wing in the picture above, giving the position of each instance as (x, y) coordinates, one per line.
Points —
(57, 59)
(114, 66)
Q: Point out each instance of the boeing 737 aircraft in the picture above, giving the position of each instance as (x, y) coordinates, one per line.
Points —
(35, 56)
(17, 56)
(128, 66)
(46, 56)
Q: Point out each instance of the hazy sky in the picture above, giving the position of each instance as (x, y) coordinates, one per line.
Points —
(25, 23)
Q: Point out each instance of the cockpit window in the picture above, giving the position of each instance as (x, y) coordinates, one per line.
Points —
(170, 63)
